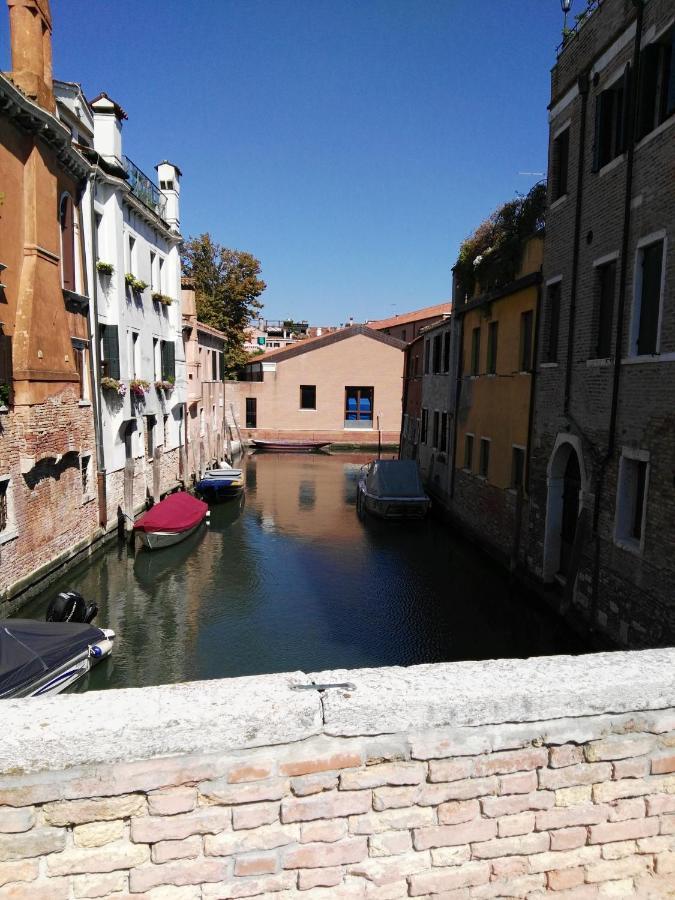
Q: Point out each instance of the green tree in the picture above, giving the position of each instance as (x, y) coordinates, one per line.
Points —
(227, 288)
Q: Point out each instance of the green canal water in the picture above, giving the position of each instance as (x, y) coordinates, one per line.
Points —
(290, 578)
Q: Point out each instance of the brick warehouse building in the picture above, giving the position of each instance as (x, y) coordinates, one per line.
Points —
(601, 526)
(48, 507)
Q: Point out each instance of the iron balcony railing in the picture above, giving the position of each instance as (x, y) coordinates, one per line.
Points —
(144, 189)
(581, 19)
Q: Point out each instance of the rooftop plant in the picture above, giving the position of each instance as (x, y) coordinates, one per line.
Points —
(491, 256)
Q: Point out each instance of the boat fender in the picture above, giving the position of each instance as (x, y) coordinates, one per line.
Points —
(68, 606)
(95, 651)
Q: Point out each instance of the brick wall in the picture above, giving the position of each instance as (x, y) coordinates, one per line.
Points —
(453, 788)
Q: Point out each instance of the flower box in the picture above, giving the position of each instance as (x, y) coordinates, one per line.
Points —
(105, 268)
(139, 388)
(112, 384)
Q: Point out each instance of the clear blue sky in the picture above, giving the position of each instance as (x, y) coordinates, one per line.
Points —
(349, 144)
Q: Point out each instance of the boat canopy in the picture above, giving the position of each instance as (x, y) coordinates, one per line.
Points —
(29, 648)
(394, 478)
(177, 512)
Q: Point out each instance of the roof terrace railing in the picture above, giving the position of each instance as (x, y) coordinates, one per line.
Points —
(144, 189)
(581, 19)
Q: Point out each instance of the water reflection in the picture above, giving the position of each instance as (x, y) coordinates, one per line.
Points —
(287, 577)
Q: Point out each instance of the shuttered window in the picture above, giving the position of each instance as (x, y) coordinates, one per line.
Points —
(437, 353)
(656, 89)
(168, 360)
(110, 351)
(66, 217)
(611, 116)
(605, 282)
(650, 298)
(561, 152)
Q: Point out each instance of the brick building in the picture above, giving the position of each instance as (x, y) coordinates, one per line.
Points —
(407, 326)
(48, 496)
(601, 529)
(411, 422)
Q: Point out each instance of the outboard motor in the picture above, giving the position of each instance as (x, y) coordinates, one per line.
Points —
(69, 606)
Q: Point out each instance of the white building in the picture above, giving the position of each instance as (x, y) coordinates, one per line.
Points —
(131, 239)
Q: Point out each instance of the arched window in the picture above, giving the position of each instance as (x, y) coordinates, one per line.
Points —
(67, 221)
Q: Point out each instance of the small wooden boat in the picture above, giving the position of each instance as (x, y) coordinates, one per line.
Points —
(392, 489)
(40, 658)
(220, 484)
(170, 521)
(290, 446)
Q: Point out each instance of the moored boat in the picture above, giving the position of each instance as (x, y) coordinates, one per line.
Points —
(40, 658)
(392, 489)
(170, 521)
(220, 484)
(290, 446)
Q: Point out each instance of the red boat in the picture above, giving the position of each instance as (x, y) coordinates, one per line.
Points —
(290, 446)
(171, 520)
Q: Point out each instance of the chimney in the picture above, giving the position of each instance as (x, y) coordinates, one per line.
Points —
(108, 118)
(30, 25)
(169, 184)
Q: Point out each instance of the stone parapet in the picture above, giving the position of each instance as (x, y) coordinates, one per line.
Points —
(464, 780)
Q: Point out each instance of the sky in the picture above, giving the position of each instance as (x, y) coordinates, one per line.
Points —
(350, 145)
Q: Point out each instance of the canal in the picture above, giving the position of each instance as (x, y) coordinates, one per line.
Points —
(290, 578)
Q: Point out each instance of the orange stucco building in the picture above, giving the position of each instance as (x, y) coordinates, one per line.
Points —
(48, 494)
(343, 387)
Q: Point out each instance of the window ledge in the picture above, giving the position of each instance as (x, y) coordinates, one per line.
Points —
(599, 362)
(306, 409)
(652, 358)
(358, 429)
(656, 131)
(84, 402)
(559, 202)
(548, 365)
(490, 374)
(629, 544)
(612, 164)
(9, 534)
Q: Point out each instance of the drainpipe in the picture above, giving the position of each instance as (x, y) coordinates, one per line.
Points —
(94, 343)
(458, 391)
(621, 306)
(583, 90)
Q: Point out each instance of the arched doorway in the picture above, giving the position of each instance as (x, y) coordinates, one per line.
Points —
(566, 485)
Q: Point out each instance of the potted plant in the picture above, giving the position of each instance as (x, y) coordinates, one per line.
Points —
(112, 384)
(139, 388)
(105, 268)
(165, 386)
(139, 285)
(166, 300)
(5, 394)
(129, 279)
(157, 297)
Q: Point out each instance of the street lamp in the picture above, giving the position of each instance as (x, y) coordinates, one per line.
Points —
(566, 6)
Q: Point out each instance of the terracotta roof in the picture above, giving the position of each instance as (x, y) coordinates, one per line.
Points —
(428, 312)
(324, 340)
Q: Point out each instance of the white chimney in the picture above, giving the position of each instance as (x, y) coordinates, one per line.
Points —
(108, 117)
(169, 176)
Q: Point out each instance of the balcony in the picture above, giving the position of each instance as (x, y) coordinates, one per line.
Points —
(580, 20)
(144, 189)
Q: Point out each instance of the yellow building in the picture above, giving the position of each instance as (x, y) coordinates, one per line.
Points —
(493, 415)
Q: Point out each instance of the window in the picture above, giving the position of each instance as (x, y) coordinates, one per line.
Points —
(436, 430)
(67, 222)
(168, 352)
(214, 366)
(134, 355)
(484, 459)
(359, 407)
(444, 432)
(468, 452)
(129, 439)
(648, 299)
(251, 412)
(221, 357)
(446, 351)
(307, 396)
(403, 334)
(517, 467)
(153, 279)
(427, 351)
(492, 348)
(8, 529)
(6, 362)
(85, 473)
(656, 89)
(605, 281)
(560, 162)
(552, 322)
(632, 498)
(425, 426)
(80, 357)
(525, 352)
(437, 353)
(131, 253)
(610, 123)
(150, 422)
(160, 277)
(110, 351)
(475, 351)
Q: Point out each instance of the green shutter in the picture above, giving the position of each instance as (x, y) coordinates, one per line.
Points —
(222, 365)
(111, 349)
(168, 360)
